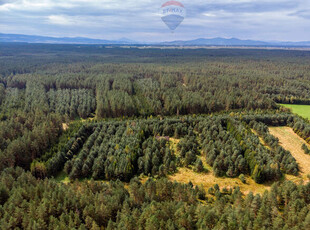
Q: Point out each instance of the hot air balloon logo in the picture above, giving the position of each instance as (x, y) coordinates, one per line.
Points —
(172, 14)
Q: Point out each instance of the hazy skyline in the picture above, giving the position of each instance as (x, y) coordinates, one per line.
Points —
(139, 20)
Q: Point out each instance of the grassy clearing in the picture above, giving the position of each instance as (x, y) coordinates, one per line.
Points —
(173, 144)
(261, 139)
(302, 110)
(289, 140)
(62, 177)
(207, 180)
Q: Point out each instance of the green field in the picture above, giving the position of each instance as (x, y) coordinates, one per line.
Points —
(302, 110)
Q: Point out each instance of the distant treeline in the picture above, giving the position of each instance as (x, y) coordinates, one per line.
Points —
(114, 82)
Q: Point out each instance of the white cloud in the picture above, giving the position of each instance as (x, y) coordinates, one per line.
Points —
(60, 20)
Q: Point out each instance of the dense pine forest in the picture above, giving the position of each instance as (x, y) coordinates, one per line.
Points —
(118, 122)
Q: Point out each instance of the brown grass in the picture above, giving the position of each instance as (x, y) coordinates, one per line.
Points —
(289, 140)
(261, 139)
(207, 180)
(65, 126)
(173, 144)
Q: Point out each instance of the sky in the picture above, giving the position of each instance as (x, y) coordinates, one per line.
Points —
(140, 20)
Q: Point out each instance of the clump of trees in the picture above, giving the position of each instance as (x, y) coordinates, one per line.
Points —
(261, 164)
(305, 148)
(24, 138)
(287, 162)
(72, 102)
(221, 149)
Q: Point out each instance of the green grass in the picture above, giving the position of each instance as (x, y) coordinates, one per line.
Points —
(62, 177)
(302, 110)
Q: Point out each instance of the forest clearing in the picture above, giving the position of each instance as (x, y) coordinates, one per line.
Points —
(207, 180)
(289, 140)
(301, 110)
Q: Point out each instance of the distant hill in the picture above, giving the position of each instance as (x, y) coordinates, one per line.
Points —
(234, 42)
(59, 40)
(217, 42)
(125, 41)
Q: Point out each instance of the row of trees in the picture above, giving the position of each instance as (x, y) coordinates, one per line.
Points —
(121, 150)
(263, 164)
(221, 149)
(124, 149)
(300, 125)
(73, 103)
(287, 162)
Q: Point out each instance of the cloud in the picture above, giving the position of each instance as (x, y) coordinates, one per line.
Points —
(305, 13)
(2, 2)
(60, 20)
(139, 19)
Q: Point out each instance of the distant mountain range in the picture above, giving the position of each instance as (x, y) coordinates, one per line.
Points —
(235, 42)
(59, 40)
(126, 41)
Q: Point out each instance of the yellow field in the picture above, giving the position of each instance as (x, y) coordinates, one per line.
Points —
(289, 140)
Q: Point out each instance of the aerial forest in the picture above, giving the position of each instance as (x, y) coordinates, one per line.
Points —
(118, 122)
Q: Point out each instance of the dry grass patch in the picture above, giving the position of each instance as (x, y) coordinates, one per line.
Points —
(173, 144)
(65, 126)
(207, 180)
(261, 139)
(290, 141)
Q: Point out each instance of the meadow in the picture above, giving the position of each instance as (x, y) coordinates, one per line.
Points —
(301, 110)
